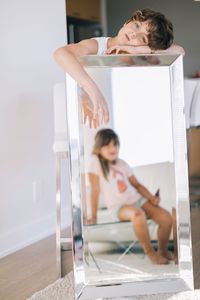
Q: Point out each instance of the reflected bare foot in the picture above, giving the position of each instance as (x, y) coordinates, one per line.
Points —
(156, 258)
(168, 254)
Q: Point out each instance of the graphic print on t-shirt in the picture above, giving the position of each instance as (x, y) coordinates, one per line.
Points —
(118, 179)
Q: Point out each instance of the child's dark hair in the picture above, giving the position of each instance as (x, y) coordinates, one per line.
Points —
(102, 138)
(160, 28)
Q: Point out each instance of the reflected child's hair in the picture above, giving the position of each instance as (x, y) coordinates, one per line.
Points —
(102, 138)
(160, 28)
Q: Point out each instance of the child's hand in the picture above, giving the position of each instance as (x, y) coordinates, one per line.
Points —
(129, 49)
(95, 114)
(100, 107)
(87, 113)
(94, 109)
(155, 200)
(92, 221)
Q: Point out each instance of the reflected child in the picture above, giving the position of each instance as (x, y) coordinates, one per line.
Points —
(125, 197)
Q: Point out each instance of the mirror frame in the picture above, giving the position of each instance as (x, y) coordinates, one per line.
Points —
(75, 147)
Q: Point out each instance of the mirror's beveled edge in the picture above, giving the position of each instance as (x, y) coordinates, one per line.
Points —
(185, 280)
(181, 173)
(74, 155)
(137, 288)
(128, 60)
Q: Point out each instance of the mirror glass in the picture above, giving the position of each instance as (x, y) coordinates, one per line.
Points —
(124, 174)
(140, 114)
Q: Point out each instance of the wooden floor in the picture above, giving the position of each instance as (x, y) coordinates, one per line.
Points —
(30, 269)
(33, 268)
(195, 228)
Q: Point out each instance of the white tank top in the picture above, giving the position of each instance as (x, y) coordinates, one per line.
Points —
(102, 45)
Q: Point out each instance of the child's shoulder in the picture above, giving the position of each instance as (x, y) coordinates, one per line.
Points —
(93, 156)
(94, 164)
(94, 159)
(122, 161)
(124, 165)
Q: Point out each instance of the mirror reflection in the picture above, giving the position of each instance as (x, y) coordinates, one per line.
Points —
(128, 180)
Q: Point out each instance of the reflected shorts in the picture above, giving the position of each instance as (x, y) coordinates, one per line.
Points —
(115, 209)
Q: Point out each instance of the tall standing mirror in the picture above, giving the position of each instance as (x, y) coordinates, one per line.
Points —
(146, 105)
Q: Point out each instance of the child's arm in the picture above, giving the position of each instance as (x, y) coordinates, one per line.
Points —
(144, 191)
(127, 49)
(173, 49)
(94, 196)
(68, 59)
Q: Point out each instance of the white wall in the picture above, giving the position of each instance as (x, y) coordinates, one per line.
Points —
(141, 96)
(30, 31)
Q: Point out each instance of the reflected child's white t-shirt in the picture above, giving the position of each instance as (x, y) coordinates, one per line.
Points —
(116, 190)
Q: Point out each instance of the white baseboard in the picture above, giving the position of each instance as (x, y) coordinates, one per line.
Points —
(28, 234)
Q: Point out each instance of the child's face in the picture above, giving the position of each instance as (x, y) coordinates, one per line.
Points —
(110, 151)
(134, 33)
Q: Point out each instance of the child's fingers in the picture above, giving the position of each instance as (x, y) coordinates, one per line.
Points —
(111, 50)
(95, 119)
(85, 118)
(90, 122)
(94, 124)
(157, 201)
(97, 123)
(100, 113)
(105, 115)
(121, 49)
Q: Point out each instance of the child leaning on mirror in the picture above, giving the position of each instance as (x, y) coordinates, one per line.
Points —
(145, 32)
(126, 199)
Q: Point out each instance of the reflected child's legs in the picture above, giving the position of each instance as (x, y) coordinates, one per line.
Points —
(138, 218)
(164, 220)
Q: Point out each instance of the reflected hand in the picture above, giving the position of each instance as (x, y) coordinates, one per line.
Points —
(155, 200)
(92, 221)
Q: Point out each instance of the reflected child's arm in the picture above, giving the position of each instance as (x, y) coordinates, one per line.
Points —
(94, 196)
(143, 190)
